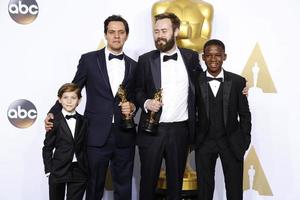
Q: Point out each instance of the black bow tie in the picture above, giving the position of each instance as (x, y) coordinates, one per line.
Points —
(216, 79)
(166, 57)
(112, 56)
(71, 116)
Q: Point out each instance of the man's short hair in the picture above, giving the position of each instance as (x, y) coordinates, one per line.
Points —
(216, 42)
(114, 18)
(167, 15)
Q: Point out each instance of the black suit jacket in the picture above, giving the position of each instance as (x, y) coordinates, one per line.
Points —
(101, 104)
(148, 81)
(60, 139)
(237, 116)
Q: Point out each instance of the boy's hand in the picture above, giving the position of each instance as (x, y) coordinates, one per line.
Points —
(48, 123)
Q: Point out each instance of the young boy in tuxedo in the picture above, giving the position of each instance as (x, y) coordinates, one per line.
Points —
(66, 165)
(224, 124)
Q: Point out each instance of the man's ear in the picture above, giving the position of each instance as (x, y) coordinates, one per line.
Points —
(176, 32)
(225, 56)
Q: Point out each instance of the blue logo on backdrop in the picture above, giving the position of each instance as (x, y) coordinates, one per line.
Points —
(23, 11)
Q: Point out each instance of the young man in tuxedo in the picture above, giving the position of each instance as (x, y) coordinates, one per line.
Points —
(101, 72)
(172, 69)
(224, 124)
(67, 165)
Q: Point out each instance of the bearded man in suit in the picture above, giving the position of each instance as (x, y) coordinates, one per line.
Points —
(172, 69)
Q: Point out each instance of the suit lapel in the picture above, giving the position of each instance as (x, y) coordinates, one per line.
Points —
(226, 94)
(77, 128)
(186, 58)
(204, 92)
(65, 127)
(127, 70)
(101, 62)
(156, 69)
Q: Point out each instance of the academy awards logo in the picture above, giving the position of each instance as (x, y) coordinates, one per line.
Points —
(22, 113)
(255, 181)
(257, 74)
(23, 11)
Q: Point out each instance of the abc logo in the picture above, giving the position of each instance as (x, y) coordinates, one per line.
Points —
(22, 113)
(23, 11)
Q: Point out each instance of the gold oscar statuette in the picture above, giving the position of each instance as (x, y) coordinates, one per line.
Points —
(127, 120)
(151, 123)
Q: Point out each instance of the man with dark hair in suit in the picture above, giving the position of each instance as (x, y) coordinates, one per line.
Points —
(101, 72)
(170, 68)
(223, 124)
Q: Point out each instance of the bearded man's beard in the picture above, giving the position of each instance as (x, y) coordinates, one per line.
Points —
(167, 46)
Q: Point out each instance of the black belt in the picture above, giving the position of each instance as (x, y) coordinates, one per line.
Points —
(176, 124)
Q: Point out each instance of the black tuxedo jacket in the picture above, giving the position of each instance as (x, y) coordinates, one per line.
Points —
(101, 104)
(60, 139)
(237, 117)
(148, 81)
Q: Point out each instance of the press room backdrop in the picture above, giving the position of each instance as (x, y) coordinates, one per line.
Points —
(40, 45)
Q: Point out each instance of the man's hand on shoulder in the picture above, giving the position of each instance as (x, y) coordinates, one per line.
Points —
(48, 122)
(246, 89)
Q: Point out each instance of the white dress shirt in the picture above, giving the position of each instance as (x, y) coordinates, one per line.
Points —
(72, 125)
(175, 84)
(115, 71)
(214, 84)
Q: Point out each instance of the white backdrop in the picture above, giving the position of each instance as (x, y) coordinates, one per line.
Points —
(39, 57)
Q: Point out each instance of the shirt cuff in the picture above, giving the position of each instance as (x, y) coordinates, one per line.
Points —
(145, 108)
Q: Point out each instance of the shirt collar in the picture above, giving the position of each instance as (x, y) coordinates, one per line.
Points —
(64, 112)
(168, 54)
(220, 75)
(107, 52)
